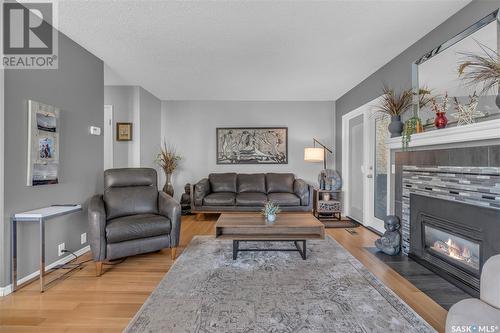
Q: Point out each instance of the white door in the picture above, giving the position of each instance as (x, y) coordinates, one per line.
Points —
(108, 137)
(364, 166)
(356, 169)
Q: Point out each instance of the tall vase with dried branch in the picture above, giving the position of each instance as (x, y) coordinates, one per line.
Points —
(394, 105)
(168, 160)
(481, 69)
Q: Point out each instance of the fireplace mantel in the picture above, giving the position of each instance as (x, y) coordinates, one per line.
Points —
(486, 130)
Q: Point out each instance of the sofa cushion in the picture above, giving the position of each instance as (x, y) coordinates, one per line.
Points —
(279, 182)
(136, 226)
(251, 199)
(219, 199)
(222, 182)
(252, 183)
(284, 199)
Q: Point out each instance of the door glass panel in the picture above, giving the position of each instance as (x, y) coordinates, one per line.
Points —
(380, 166)
(355, 162)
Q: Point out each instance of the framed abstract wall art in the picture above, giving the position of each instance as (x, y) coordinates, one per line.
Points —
(43, 144)
(252, 145)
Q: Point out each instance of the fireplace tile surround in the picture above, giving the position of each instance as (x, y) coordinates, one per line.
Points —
(477, 186)
(483, 156)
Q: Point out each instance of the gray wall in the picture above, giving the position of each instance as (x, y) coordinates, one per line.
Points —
(122, 99)
(77, 89)
(190, 127)
(2, 155)
(137, 105)
(397, 72)
(150, 118)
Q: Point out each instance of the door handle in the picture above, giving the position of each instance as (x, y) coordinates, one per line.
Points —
(369, 176)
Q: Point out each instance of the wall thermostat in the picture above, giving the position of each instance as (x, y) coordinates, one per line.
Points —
(94, 130)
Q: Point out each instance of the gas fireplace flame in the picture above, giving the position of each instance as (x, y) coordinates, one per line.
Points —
(454, 250)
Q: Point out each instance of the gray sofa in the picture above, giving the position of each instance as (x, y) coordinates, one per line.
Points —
(132, 217)
(222, 192)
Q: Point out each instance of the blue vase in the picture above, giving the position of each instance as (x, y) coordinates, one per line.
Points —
(271, 218)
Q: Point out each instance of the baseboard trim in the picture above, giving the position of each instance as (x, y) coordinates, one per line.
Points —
(4, 291)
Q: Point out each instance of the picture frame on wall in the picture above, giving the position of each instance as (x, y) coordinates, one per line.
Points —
(43, 144)
(123, 131)
(252, 145)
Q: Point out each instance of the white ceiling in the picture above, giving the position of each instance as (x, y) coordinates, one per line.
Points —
(248, 50)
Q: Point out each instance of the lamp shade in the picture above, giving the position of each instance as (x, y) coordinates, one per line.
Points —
(314, 154)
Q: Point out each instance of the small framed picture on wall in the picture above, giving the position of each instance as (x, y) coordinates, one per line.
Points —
(123, 131)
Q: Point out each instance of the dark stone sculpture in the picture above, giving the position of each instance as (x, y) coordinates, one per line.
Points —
(390, 242)
(186, 200)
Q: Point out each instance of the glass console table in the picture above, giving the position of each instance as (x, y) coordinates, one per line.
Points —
(39, 216)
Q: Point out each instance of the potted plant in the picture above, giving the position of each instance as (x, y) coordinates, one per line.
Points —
(482, 69)
(270, 210)
(440, 110)
(168, 160)
(414, 124)
(394, 105)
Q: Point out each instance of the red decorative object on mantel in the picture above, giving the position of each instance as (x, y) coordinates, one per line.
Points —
(440, 121)
(440, 110)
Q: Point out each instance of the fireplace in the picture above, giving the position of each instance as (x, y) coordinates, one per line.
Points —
(453, 238)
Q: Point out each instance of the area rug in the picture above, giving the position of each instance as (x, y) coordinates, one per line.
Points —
(206, 291)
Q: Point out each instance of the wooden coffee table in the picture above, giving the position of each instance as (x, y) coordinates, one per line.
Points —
(289, 227)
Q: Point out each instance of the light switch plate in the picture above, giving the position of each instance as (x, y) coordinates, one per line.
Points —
(94, 130)
(83, 238)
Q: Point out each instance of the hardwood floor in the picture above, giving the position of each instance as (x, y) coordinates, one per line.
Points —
(86, 303)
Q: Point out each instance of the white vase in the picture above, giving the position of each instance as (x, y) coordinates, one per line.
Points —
(271, 218)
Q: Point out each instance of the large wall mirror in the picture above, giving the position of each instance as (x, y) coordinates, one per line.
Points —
(438, 71)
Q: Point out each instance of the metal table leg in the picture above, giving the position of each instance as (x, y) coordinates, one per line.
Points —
(302, 251)
(13, 244)
(42, 254)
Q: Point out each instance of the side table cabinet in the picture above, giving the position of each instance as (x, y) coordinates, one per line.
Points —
(327, 205)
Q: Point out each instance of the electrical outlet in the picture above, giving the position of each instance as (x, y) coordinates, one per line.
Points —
(60, 249)
(83, 238)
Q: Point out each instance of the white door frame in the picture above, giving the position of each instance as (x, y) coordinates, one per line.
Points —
(368, 153)
(108, 137)
(345, 156)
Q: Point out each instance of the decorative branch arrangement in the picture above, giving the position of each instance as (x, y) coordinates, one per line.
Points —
(480, 69)
(168, 160)
(394, 104)
(440, 108)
